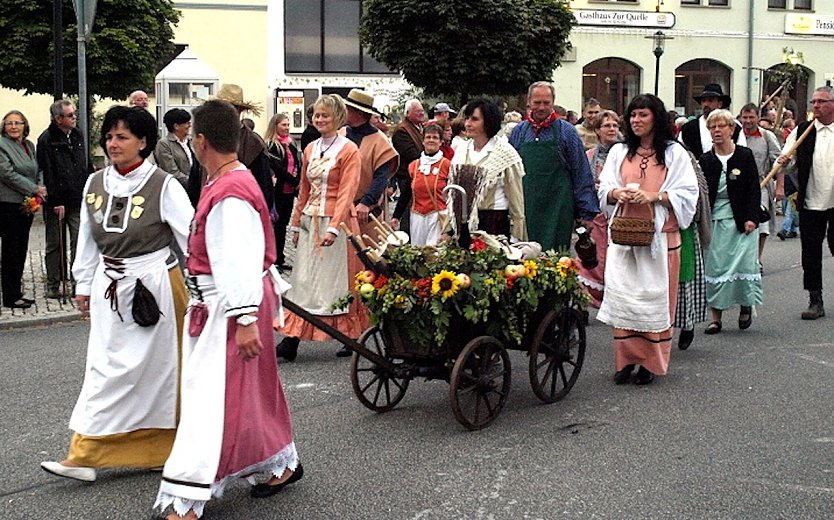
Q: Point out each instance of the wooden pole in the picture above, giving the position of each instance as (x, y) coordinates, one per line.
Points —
(791, 151)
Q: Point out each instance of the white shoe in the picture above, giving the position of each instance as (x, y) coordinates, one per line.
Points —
(56, 468)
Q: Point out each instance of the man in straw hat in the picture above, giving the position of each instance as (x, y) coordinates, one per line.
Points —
(694, 134)
(251, 148)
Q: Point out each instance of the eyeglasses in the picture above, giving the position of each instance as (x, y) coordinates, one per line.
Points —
(610, 125)
(820, 101)
(69, 116)
(15, 123)
(721, 126)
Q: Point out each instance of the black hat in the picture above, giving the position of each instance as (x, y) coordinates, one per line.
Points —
(714, 90)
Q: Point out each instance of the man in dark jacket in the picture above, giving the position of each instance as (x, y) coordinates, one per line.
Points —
(408, 142)
(64, 168)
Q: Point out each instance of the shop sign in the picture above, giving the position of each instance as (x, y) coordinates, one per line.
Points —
(624, 18)
(809, 24)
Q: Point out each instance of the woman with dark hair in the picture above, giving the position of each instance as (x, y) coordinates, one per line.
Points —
(173, 153)
(649, 177)
(126, 413)
(498, 202)
(285, 164)
(731, 263)
(19, 179)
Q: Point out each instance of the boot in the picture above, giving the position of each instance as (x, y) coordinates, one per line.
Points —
(815, 308)
(288, 348)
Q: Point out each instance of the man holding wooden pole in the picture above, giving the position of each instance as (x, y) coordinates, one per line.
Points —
(814, 162)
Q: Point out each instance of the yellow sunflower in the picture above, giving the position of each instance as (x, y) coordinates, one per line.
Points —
(532, 268)
(445, 283)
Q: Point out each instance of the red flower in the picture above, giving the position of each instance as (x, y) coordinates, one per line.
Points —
(380, 282)
(477, 244)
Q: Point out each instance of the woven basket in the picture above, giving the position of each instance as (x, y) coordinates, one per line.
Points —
(631, 231)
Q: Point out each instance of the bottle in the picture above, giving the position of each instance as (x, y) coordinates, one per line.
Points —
(586, 249)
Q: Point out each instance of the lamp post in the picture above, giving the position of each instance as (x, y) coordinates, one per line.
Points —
(659, 43)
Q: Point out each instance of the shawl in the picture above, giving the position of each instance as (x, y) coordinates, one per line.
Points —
(427, 160)
(681, 185)
(491, 170)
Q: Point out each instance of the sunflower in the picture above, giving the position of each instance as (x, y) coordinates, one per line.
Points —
(532, 268)
(445, 283)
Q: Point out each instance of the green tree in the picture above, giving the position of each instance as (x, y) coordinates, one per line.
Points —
(467, 47)
(128, 40)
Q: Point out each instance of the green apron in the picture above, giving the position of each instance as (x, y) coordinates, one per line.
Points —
(548, 194)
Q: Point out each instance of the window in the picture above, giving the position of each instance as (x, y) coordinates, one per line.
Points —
(712, 3)
(798, 5)
(322, 36)
(612, 81)
(690, 79)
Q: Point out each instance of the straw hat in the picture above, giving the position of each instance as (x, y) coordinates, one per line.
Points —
(234, 94)
(361, 100)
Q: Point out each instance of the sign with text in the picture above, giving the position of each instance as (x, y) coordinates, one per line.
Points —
(809, 24)
(624, 18)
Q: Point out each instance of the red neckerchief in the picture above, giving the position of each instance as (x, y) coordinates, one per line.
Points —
(538, 127)
(754, 133)
(129, 168)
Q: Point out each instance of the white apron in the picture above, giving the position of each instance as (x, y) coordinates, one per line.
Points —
(636, 288)
(130, 381)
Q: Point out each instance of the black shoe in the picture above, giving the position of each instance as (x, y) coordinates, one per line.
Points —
(54, 294)
(685, 339)
(20, 304)
(815, 307)
(344, 352)
(288, 348)
(623, 376)
(285, 267)
(792, 234)
(713, 328)
(265, 490)
(28, 300)
(782, 235)
(744, 324)
(643, 377)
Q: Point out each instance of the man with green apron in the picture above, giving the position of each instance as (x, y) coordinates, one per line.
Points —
(558, 185)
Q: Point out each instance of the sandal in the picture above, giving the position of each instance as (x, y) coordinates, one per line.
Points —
(744, 323)
(713, 328)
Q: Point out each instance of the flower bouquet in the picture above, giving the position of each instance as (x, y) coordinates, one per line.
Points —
(436, 299)
(31, 205)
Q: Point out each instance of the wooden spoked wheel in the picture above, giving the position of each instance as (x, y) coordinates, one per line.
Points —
(480, 382)
(556, 354)
(374, 386)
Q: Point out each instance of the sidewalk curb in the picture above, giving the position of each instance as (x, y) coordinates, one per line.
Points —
(45, 321)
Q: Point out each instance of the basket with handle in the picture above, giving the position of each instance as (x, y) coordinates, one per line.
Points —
(632, 231)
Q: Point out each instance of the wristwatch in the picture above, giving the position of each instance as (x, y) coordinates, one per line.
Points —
(244, 320)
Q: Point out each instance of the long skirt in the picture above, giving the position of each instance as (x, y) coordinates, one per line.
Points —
(640, 299)
(321, 275)
(692, 299)
(235, 421)
(123, 416)
(732, 267)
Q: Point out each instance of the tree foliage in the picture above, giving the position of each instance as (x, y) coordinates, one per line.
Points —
(464, 47)
(128, 40)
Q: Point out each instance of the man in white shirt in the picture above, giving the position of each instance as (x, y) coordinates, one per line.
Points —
(694, 134)
(814, 162)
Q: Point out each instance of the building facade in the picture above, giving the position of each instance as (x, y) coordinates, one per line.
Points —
(735, 43)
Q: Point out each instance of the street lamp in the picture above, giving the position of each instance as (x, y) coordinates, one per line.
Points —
(659, 43)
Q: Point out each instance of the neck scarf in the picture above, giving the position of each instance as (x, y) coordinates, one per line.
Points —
(285, 142)
(129, 168)
(538, 127)
(426, 161)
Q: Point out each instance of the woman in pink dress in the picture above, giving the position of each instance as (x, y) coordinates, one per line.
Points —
(649, 176)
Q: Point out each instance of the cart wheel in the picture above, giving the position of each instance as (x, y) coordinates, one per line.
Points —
(556, 354)
(480, 382)
(375, 387)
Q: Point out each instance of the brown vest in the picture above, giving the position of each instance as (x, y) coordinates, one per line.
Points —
(127, 227)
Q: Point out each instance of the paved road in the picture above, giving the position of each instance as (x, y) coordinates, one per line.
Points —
(741, 428)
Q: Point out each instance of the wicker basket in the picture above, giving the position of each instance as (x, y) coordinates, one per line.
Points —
(631, 231)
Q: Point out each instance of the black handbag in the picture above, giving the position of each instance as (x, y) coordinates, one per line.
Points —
(764, 214)
(145, 310)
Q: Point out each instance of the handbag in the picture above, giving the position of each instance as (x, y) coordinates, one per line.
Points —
(145, 310)
(632, 231)
(764, 214)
